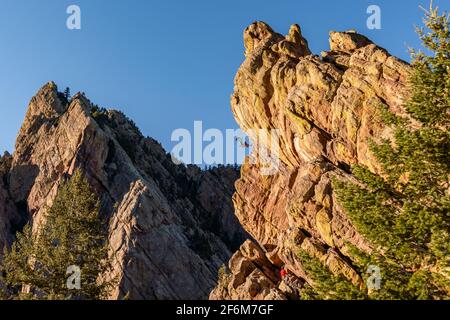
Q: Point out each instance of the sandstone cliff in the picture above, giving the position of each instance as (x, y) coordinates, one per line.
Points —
(326, 110)
(171, 226)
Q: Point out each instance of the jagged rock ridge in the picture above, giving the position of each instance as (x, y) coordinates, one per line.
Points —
(326, 110)
(171, 226)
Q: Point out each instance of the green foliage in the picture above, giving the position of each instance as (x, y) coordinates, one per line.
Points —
(72, 234)
(5, 163)
(67, 95)
(405, 211)
(327, 286)
(100, 115)
(224, 276)
(430, 80)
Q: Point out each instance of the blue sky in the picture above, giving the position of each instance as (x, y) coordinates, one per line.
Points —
(164, 63)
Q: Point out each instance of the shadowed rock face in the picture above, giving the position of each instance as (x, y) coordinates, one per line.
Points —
(326, 110)
(10, 219)
(171, 227)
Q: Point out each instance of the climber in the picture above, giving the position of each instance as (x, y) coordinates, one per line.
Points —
(244, 144)
(283, 273)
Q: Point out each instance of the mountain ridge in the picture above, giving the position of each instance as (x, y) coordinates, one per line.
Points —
(168, 223)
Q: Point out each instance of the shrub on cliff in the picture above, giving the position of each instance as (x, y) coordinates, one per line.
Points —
(5, 163)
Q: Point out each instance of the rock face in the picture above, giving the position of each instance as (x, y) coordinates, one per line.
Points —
(171, 226)
(326, 109)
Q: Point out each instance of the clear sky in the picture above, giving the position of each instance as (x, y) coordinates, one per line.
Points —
(165, 63)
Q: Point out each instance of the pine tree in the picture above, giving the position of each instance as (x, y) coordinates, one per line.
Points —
(404, 212)
(72, 236)
(327, 286)
(67, 94)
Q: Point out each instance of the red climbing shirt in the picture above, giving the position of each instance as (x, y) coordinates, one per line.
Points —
(283, 273)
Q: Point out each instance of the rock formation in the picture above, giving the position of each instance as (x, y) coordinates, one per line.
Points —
(170, 226)
(326, 109)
